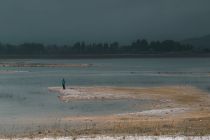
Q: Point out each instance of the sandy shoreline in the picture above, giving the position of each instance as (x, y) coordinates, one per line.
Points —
(173, 111)
(88, 93)
(181, 110)
(157, 112)
(120, 138)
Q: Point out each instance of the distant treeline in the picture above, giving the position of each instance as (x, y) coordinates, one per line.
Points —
(82, 48)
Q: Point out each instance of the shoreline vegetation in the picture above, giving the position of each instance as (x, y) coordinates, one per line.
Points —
(111, 56)
(136, 49)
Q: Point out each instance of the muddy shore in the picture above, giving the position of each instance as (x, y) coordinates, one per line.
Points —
(177, 110)
(174, 111)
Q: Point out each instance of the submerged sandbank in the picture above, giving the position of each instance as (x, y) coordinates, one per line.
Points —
(42, 65)
(11, 71)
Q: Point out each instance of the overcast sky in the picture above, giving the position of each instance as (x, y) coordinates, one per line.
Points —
(67, 21)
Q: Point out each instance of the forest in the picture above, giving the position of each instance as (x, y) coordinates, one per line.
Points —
(82, 48)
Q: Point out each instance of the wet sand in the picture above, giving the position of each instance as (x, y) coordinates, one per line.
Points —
(120, 138)
(175, 110)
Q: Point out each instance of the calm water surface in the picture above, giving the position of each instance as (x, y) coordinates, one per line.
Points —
(25, 94)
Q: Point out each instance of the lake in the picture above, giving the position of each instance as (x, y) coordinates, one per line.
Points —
(25, 99)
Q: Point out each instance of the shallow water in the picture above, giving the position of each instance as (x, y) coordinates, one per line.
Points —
(25, 94)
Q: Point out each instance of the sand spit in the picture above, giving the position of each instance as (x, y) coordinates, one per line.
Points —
(42, 65)
(170, 95)
(120, 138)
(88, 93)
(173, 110)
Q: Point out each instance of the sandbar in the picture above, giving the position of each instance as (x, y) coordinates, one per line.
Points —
(22, 64)
(175, 110)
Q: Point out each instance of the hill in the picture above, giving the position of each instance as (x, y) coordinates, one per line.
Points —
(200, 42)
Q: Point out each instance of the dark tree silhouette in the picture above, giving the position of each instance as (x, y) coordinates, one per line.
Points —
(82, 48)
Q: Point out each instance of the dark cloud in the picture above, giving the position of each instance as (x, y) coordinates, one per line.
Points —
(67, 21)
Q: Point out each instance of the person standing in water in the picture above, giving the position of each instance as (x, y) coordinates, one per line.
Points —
(64, 84)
